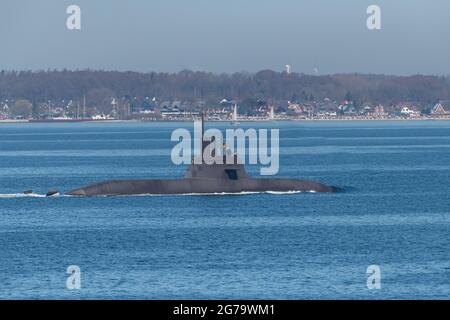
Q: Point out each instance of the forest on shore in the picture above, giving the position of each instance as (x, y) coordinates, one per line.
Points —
(247, 88)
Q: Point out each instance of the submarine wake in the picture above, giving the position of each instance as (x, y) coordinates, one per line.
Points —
(21, 195)
(211, 194)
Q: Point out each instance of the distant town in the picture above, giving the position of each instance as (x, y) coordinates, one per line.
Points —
(227, 110)
(87, 95)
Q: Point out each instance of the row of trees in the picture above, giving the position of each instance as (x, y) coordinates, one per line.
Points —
(246, 87)
(21, 108)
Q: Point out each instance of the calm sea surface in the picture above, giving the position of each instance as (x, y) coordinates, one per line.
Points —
(394, 212)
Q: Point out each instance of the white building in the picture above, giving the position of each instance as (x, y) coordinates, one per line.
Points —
(439, 110)
(406, 111)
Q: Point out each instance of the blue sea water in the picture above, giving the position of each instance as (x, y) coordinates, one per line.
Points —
(394, 212)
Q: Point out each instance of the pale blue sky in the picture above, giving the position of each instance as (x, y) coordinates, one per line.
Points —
(227, 35)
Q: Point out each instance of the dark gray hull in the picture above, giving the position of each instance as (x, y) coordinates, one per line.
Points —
(197, 186)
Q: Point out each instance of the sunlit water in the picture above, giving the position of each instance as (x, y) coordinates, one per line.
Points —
(394, 212)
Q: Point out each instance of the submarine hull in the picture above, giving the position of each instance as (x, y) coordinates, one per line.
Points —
(203, 178)
(198, 186)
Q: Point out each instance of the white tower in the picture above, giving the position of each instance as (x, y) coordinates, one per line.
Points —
(271, 113)
(288, 69)
(84, 107)
(114, 105)
(235, 113)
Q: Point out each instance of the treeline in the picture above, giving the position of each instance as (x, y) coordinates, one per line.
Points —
(247, 88)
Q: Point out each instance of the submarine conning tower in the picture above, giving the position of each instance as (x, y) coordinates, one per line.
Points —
(224, 170)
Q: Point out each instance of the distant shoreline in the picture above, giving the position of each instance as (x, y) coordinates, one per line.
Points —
(215, 120)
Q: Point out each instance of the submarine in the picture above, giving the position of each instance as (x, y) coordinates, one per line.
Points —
(203, 178)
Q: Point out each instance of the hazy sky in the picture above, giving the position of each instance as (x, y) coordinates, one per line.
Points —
(227, 35)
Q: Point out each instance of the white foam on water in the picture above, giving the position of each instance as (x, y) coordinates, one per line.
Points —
(191, 194)
(35, 195)
(283, 192)
(21, 195)
(243, 193)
